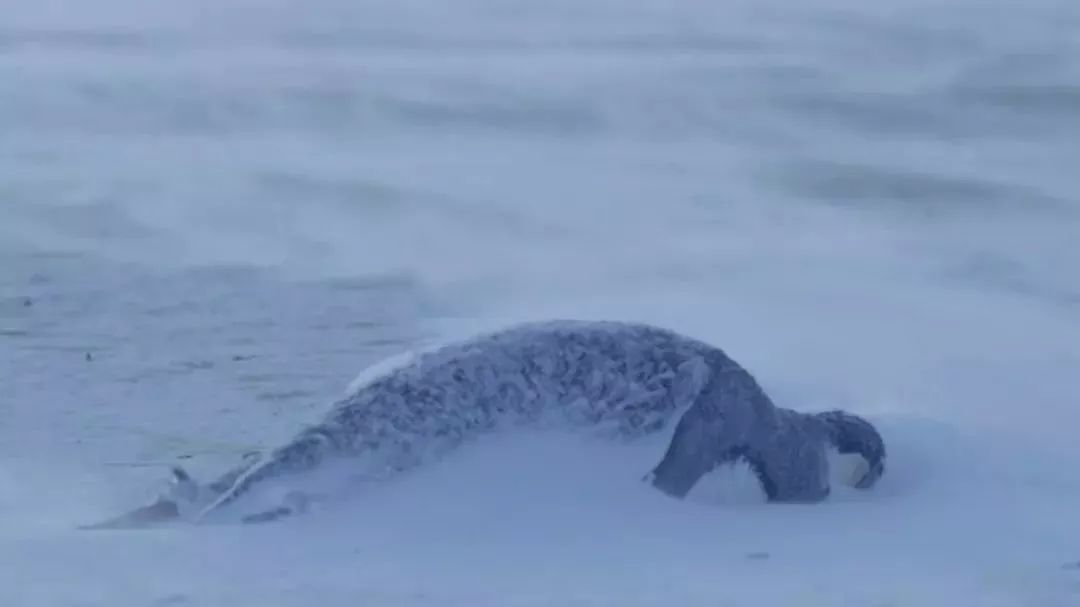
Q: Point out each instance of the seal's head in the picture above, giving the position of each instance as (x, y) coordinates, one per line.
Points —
(850, 433)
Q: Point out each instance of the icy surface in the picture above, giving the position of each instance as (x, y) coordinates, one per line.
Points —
(214, 215)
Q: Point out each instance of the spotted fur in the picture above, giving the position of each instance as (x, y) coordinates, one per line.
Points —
(623, 379)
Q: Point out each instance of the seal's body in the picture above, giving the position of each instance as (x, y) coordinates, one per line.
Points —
(624, 379)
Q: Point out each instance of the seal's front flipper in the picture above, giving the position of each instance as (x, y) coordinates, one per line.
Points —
(268, 515)
(295, 502)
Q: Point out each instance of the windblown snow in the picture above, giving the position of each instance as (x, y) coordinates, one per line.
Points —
(215, 214)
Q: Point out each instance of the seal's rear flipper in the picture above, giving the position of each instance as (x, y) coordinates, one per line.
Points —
(161, 511)
(182, 491)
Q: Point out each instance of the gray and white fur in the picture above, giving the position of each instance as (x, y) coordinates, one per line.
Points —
(625, 379)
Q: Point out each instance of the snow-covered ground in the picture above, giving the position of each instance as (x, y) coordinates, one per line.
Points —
(214, 215)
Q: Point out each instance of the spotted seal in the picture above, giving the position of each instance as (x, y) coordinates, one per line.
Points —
(624, 379)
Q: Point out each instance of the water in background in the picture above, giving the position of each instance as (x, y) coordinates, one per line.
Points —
(213, 214)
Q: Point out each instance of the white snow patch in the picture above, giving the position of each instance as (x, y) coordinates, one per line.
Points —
(550, 518)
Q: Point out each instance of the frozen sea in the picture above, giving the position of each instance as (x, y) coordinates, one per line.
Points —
(214, 214)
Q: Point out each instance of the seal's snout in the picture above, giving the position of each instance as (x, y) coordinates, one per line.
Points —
(873, 473)
(851, 434)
